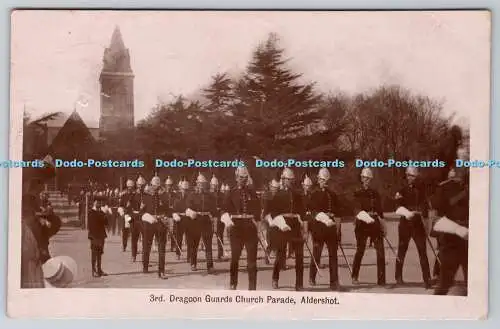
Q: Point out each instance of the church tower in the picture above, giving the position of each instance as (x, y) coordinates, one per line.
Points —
(117, 87)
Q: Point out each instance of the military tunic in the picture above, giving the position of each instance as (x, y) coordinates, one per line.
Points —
(324, 200)
(413, 198)
(287, 202)
(203, 203)
(452, 200)
(368, 200)
(243, 206)
(156, 230)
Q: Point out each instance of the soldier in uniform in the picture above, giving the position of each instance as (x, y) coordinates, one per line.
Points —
(369, 223)
(168, 199)
(241, 211)
(451, 202)
(219, 226)
(412, 206)
(179, 217)
(286, 211)
(307, 192)
(137, 211)
(154, 225)
(325, 227)
(201, 209)
(127, 199)
(97, 223)
(267, 196)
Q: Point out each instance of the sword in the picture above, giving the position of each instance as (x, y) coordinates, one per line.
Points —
(345, 258)
(392, 249)
(312, 256)
(222, 244)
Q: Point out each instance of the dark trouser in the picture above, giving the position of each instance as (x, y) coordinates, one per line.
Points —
(179, 229)
(201, 227)
(96, 249)
(244, 234)
(125, 234)
(135, 233)
(453, 253)
(408, 229)
(220, 238)
(280, 240)
(157, 231)
(322, 235)
(363, 231)
(437, 268)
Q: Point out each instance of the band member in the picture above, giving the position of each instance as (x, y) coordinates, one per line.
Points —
(325, 228)
(451, 202)
(412, 206)
(179, 217)
(137, 211)
(97, 223)
(127, 200)
(241, 211)
(219, 226)
(369, 223)
(154, 226)
(287, 210)
(201, 209)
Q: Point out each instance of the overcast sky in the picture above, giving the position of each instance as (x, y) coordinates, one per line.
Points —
(57, 56)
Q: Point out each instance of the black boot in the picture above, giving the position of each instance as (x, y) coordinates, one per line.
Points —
(95, 273)
(99, 268)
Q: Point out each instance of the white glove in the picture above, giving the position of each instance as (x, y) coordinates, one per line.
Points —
(279, 222)
(127, 218)
(191, 213)
(176, 217)
(323, 218)
(121, 211)
(445, 225)
(398, 196)
(402, 211)
(363, 216)
(149, 218)
(269, 219)
(226, 219)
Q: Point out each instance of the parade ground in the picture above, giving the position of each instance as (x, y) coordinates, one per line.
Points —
(123, 273)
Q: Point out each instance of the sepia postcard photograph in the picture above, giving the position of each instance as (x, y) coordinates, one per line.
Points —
(249, 164)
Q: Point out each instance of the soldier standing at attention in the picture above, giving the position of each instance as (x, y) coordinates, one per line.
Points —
(325, 228)
(412, 206)
(287, 210)
(369, 223)
(168, 199)
(241, 211)
(451, 202)
(201, 209)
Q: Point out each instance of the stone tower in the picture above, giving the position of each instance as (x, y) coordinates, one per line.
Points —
(117, 87)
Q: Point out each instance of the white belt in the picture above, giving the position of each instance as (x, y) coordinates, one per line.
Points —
(204, 213)
(290, 215)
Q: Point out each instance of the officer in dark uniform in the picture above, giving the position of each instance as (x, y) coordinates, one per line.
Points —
(201, 209)
(154, 226)
(369, 224)
(451, 202)
(127, 200)
(286, 210)
(168, 199)
(137, 211)
(241, 212)
(97, 223)
(325, 227)
(219, 226)
(179, 217)
(266, 197)
(412, 206)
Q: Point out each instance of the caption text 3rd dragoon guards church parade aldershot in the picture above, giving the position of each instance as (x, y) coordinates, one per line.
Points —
(230, 219)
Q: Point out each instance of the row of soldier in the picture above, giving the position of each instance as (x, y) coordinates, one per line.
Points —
(288, 216)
